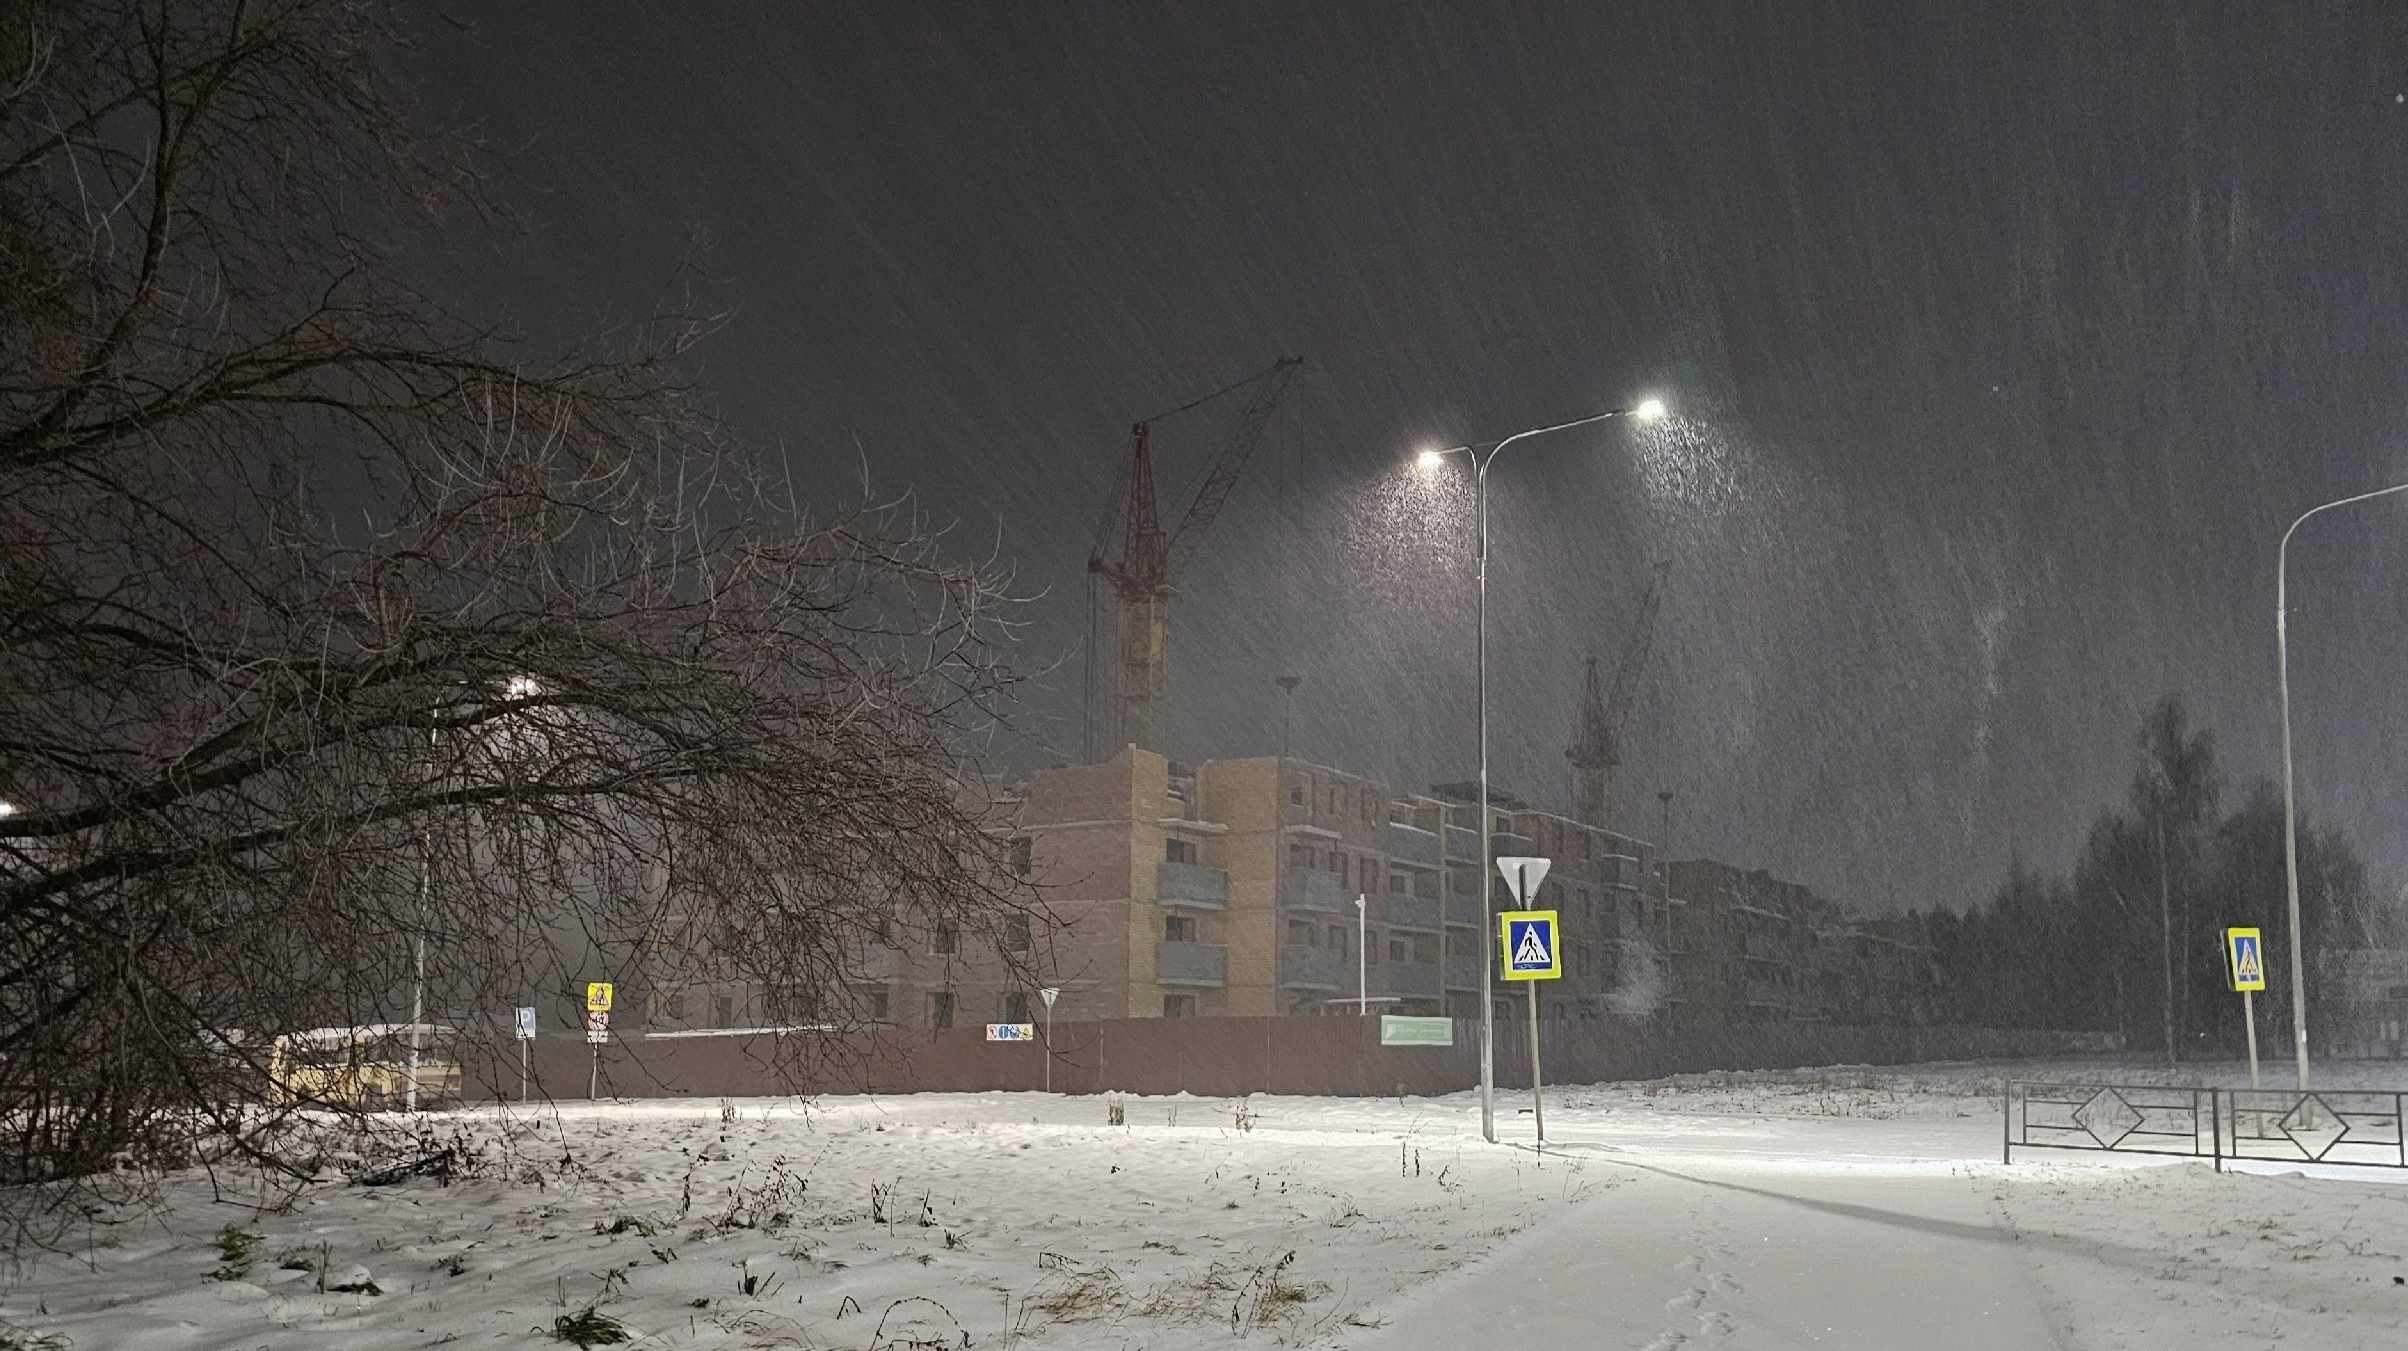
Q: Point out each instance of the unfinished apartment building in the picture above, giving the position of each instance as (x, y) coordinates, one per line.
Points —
(1231, 891)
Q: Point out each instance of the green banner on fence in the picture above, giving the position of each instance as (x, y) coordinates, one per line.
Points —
(1400, 1031)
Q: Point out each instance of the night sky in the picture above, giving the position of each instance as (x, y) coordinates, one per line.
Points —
(2003, 341)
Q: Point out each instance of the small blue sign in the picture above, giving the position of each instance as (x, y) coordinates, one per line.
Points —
(526, 1024)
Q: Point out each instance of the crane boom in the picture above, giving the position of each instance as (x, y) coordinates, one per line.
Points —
(1597, 746)
(1145, 575)
(1634, 659)
(1236, 449)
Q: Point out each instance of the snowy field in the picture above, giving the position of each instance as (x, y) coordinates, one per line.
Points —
(1844, 1208)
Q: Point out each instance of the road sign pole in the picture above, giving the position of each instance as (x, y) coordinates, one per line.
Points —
(522, 1069)
(593, 1078)
(2249, 1020)
(1538, 1109)
(1050, 993)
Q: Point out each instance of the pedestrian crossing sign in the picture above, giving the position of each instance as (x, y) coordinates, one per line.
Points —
(2248, 957)
(1531, 950)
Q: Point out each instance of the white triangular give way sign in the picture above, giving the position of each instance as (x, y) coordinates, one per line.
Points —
(1523, 876)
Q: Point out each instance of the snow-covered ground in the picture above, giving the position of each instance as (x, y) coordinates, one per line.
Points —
(1850, 1208)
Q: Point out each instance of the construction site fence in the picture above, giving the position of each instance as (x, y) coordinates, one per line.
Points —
(1218, 1057)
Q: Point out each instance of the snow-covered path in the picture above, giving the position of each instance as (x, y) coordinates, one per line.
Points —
(1711, 1254)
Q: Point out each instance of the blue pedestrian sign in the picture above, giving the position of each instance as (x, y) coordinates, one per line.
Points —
(1531, 952)
(2248, 959)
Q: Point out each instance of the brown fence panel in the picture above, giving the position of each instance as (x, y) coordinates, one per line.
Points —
(1209, 1057)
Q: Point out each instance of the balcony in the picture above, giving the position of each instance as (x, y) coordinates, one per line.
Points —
(1412, 845)
(1419, 979)
(1463, 973)
(871, 963)
(1191, 885)
(1177, 963)
(1314, 889)
(1314, 968)
(1463, 910)
(1412, 912)
(1462, 845)
(1502, 845)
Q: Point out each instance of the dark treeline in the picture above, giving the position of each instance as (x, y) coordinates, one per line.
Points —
(2131, 938)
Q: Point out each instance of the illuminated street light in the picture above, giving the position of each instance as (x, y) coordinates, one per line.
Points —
(1429, 460)
(2282, 667)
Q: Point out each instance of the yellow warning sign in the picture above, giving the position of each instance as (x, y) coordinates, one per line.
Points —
(2248, 959)
(597, 997)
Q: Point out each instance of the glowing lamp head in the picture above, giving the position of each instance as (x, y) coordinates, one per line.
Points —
(1430, 459)
(1649, 411)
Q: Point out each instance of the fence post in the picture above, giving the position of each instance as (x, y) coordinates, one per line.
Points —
(2215, 1121)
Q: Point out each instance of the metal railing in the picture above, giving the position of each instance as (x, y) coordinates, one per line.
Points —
(2360, 1128)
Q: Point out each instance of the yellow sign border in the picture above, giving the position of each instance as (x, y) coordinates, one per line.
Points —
(2232, 960)
(597, 996)
(1555, 950)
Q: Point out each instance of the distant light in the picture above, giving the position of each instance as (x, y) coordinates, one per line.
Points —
(1650, 410)
(7, 808)
(524, 687)
(1431, 459)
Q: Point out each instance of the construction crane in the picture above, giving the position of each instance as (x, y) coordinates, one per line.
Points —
(1144, 572)
(1597, 747)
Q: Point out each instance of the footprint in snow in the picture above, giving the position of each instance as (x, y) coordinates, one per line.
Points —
(1687, 1299)
(1714, 1325)
(1665, 1342)
(1723, 1281)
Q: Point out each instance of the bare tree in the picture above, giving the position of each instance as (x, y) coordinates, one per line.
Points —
(329, 626)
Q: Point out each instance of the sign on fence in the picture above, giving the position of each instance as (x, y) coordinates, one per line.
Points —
(1397, 1030)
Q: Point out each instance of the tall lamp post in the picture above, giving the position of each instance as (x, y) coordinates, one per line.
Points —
(1481, 460)
(2282, 660)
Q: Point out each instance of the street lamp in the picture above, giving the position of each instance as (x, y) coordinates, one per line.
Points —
(1429, 460)
(516, 688)
(2282, 659)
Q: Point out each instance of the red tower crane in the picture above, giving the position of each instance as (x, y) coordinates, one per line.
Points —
(1144, 571)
